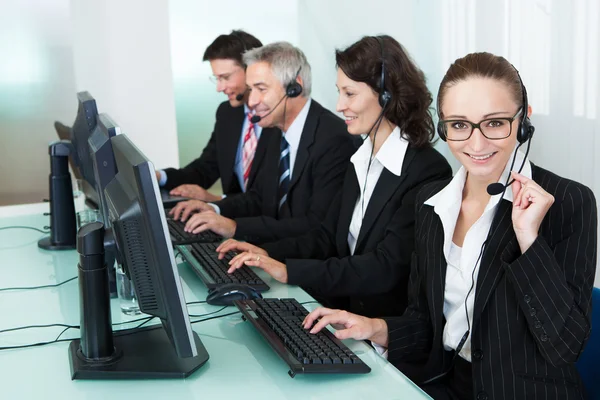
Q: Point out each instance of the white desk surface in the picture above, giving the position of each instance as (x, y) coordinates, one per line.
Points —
(241, 365)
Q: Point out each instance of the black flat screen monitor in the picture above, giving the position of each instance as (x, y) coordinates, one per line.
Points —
(144, 245)
(85, 123)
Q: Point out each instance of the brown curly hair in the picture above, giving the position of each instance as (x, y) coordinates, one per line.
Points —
(409, 107)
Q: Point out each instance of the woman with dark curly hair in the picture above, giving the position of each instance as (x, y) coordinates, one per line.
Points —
(360, 256)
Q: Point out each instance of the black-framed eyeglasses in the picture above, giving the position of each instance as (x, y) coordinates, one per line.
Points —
(492, 128)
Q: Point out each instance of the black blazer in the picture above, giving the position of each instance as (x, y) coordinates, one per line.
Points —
(373, 281)
(218, 157)
(323, 154)
(531, 316)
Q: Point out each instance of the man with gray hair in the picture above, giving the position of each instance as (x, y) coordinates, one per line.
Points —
(304, 165)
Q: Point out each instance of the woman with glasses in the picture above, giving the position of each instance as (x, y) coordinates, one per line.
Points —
(501, 282)
(360, 256)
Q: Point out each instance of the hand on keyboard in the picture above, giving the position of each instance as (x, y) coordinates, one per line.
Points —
(183, 209)
(272, 267)
(234, 245)
(348, 325)
(194, 192)
(204, 221)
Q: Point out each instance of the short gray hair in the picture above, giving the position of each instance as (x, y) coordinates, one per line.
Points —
(285, 61)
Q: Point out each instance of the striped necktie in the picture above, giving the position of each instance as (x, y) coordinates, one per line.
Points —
(284, 171)
(248, 150)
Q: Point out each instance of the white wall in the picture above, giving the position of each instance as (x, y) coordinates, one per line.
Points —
(37, 87)
(121, 52)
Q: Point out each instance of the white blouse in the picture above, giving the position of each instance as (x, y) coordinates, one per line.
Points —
(391, 157)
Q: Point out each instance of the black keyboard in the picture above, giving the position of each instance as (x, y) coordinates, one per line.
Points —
(179, 236)
(203, 258)
(279, 321)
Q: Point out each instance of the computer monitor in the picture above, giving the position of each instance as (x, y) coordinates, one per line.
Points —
(85, 123)
(143, 243)
(73, 148)
(104, 168)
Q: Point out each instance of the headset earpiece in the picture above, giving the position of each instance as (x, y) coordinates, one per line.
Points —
(294, 88)
(384, 95)
(526, 128)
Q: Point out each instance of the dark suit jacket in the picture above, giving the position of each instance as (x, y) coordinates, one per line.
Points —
(531, 316)
(218, 157)
(323, 154)
(373, 281)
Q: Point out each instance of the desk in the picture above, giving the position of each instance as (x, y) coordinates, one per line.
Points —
(241, 365)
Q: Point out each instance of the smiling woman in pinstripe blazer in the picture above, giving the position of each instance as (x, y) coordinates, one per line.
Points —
(501, 282)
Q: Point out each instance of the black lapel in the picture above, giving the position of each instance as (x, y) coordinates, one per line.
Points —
(433, 230)
(350, 193)
(385, 187)
(233, 133)
(490, 270)
(261, 150)
(306, 140)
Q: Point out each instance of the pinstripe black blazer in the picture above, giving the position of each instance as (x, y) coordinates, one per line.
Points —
(531, 316)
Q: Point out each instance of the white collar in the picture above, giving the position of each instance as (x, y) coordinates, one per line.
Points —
(452, 193)
(390, 155)
(294, 132)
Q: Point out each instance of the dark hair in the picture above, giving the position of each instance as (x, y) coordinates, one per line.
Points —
(409, 106)
(231, 46)
(483, 65)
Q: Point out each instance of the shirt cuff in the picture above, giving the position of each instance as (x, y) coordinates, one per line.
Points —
(223, 196)
(382, 351)
(216, 207)
(163, 178)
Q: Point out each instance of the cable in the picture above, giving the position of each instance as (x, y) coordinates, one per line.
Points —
(39, 287)
(63, 331)
(376, 125)
(215, 317)
(210, 313)
(24, 227)
(39, 326)
(191, 303)
(144, 323)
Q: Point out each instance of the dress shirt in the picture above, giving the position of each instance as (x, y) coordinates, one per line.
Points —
(461, 270)
(238, 168)
(293, 136)
(391, 157)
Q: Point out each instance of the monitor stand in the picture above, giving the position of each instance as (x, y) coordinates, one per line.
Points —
(143, 353)
(100, 353)
(62, 208)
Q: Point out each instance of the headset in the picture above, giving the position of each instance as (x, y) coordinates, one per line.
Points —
(384, 95)
(384, 99)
